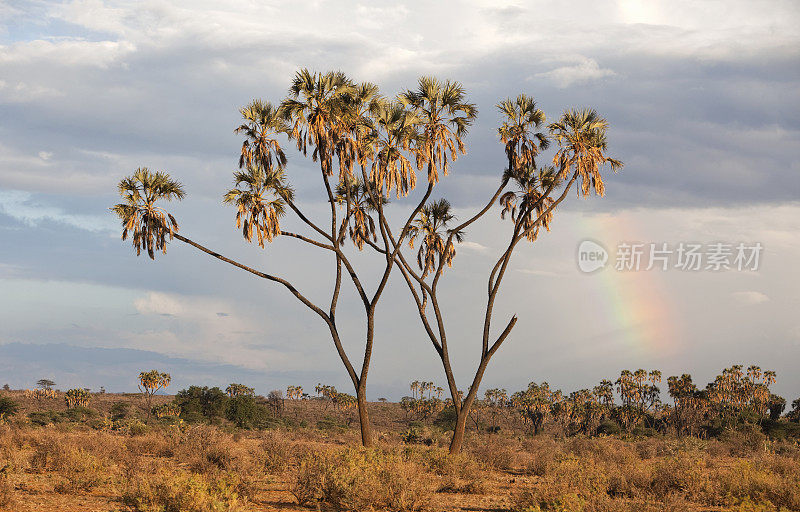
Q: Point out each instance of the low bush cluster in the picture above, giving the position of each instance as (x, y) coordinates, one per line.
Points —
(356, 479)
(609, 474)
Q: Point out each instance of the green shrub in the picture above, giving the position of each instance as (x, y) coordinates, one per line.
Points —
(202, 404)
(609, 428)
(119, 410)
(781, 429)
(8, 407)
(79, 413)
(244, 412)
(136, 428)
(331, 423)
(42, 418)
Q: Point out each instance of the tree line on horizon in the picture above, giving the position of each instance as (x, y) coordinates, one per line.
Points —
(630, 404)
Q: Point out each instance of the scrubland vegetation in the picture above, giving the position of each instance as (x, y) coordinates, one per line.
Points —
(205, 449)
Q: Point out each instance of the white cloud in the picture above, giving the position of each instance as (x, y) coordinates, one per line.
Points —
(158, 303)
(584, 70)
(543, 273)
(194, 326)
(24, 208)
(66, 52)
(751, 297)
(21, 92)
(474, 246)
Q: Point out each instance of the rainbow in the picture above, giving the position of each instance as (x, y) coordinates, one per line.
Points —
(634, 303)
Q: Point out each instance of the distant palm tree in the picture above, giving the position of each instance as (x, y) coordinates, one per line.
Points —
(261, 123)
(436, 244)
(260, 197)
(444, 118)
(149, 224)
(581, 136)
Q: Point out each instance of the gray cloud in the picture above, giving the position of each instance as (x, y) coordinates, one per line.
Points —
(704, 110)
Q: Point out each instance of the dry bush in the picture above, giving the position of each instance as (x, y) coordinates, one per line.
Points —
(762, 482)
(494, 452)
(652, 447)
(608, 450)
(582, 475)
(50, 454)
(684, 474)
(7, 495)
(156, 488)
(12, 453)
(154, 444)
(460, 473)
(309, 479)
(555, 497)
(211, 452)
(82, 471)
(477, 485)
(560, 498)
(540, 455)
(276, 453)
(66, 456)
(440, 462)
(206, 449)
(744, 442)
(361, 480)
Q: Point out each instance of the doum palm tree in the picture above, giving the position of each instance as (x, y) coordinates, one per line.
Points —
(149, 224)
(351, 125)
(444, 117)
(431, 227)
(260, 197)
(580, 137)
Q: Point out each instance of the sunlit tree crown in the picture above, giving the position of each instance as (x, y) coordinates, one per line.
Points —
(140, 216)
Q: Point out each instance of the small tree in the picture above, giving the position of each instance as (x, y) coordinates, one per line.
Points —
(294, 392)
(275, 401)
(150, 383)
(777, 404)
(794, 414)
(201, 403)
(45, 383)
(166, 410)
(8, 407)
(77, 397)
(235, 390)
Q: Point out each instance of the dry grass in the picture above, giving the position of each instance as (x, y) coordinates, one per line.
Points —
(162, 468)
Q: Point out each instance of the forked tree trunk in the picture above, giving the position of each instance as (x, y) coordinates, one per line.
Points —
(363, 417)
(457, 441)
(462, 415)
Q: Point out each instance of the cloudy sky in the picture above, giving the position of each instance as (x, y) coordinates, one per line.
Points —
(703, 99)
